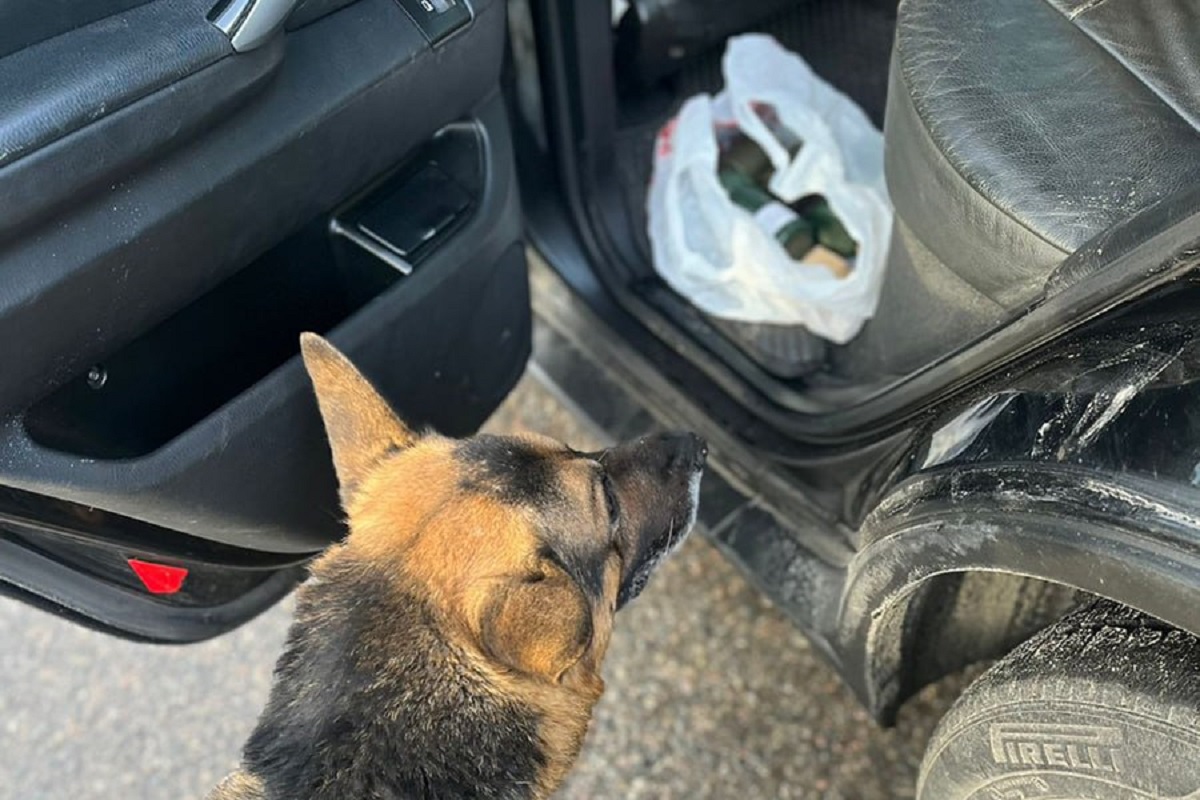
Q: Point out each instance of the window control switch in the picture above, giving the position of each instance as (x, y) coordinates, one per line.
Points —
(437, 19)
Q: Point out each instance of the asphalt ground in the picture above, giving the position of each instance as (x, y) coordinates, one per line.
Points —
(711, 694)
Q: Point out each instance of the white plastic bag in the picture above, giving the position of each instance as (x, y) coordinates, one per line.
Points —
(714, 253)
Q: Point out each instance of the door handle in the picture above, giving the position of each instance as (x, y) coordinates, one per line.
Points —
(250, 23)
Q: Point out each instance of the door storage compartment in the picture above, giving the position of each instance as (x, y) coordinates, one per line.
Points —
(181, 371)
(207, 423)
(168, 380)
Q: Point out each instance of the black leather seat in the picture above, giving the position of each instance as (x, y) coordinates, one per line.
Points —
(1017, 130)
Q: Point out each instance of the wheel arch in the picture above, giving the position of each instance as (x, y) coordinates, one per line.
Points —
(1027, 532)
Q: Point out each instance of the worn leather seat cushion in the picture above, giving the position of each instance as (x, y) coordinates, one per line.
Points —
(1019, 129)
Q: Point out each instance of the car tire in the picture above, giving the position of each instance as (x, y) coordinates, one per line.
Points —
(1102, 705)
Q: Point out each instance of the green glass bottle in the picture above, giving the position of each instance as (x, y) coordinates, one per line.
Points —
(828, 228)
(795, 233)
(743, 154)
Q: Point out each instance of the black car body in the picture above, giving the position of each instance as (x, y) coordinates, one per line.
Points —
(373, 172)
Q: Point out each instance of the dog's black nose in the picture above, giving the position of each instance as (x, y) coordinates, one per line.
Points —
(689, 450)
(671, 452)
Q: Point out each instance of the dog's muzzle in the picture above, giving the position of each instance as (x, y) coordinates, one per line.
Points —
(657, 481)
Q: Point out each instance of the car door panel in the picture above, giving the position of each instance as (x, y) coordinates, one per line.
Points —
(161, 257)
(420, 343)
(356, 91)
(80, 132)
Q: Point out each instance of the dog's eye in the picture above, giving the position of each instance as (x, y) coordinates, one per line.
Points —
(610, 498)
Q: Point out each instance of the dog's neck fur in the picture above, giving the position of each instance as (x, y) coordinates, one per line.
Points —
(371, 699)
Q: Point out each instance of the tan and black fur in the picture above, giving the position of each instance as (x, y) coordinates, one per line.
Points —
(450, 647)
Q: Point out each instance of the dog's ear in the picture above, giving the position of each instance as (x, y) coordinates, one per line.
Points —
(361, 426)
(539, 628)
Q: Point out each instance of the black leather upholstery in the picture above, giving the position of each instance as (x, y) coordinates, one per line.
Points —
(1017, 130)
(62, 84)
(27, 22)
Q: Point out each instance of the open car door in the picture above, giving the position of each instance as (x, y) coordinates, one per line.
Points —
(185, 186)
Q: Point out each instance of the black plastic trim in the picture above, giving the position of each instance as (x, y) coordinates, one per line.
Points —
(1111, 536)
(94, 527)
(127, 612)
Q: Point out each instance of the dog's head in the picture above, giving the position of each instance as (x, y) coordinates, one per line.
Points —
(525, 547)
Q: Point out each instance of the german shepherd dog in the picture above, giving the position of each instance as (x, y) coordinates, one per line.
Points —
(450, 646)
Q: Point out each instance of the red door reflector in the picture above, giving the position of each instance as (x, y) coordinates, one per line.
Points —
(159, 578)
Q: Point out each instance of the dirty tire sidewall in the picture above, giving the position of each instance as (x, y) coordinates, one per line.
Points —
(1103, 705)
